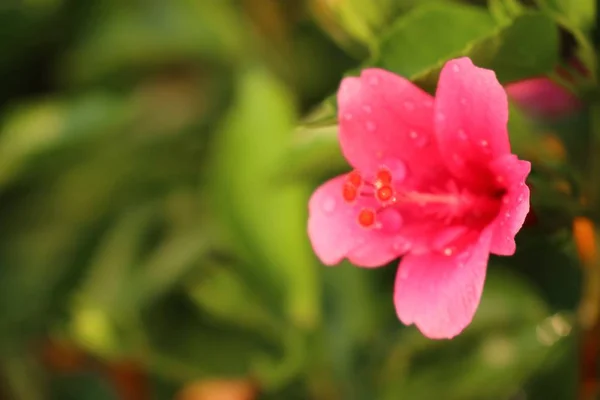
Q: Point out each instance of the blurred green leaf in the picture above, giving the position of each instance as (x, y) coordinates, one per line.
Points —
(578, 18)
(221, 293)
(34, 129)
(187, 343)
(126, 38)
(579, 13)
(315, 152)
(267, 218)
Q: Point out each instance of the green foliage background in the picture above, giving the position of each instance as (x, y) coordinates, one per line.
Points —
(156, 158)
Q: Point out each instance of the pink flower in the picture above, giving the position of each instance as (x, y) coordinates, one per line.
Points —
(434, 182)
(543, 98)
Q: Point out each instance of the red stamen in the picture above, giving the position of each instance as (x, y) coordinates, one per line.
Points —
(354, 178)
(366, 217)
(384, 193)
(349, 192)
(384, 176)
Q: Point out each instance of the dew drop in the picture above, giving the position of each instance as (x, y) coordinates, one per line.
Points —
(440, 116)
(499, 179)
(348, 116)
(455, 68)
(371, 126)
(448, 251)
(329, 205)
(507, 214)
(484, 143)
(462, 135)
(420, 140)
(409, 106)
(520, 198)
(367, 109)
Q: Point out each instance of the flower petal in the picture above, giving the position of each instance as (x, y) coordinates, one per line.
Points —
(543, 97)
(471, 113)
(334, 231)
(384, 116)
(515, 204)
(440, 293)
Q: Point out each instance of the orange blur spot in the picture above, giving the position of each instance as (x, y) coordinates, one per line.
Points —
(585, 239)
(219, 390)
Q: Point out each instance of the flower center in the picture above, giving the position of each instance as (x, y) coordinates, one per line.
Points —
(450, 204)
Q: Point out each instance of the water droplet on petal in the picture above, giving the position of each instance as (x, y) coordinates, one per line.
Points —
(455, 68)
(419, 139)
(484, 143)
(448, 251)
(499, 179)
(440, 116)
(520, 198)
(348, 116)
(329, 205)
(367, 109)
(507, 214)
(373, 81)
(371, 126)
(462, 135)
(409, 106)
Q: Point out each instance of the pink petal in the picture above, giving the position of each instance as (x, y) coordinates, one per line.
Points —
(440, 293)
(471, 113)
(515, 204)
(542, 97)
(334, 231)
(383, 116)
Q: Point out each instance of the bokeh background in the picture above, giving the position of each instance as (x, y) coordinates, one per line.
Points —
(156, 158)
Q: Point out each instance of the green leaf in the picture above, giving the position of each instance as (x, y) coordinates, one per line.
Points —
(525, 48)
(420, 43)
(424, 39)
(267, 219)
